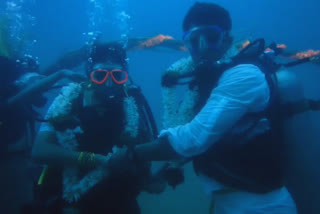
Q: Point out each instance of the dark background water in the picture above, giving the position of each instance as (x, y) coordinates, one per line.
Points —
(60, 25)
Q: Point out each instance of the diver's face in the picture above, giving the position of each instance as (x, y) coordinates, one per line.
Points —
(108, 75)
(205, 43)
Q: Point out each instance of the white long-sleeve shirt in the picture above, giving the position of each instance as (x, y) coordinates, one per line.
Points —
(240, 90)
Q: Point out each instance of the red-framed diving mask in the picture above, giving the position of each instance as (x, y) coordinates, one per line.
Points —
(100, 76)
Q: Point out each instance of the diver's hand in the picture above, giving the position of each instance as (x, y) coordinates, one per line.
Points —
(102, 160)
(157, 182)
(174, 175)
(74, 76)
(120, 160)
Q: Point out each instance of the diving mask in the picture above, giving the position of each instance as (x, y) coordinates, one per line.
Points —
(209, 37)
(100, 76)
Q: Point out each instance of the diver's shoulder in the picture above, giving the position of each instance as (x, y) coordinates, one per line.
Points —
(246, 67)
(244, 71)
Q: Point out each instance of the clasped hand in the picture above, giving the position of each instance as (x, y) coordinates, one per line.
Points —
(118, 161)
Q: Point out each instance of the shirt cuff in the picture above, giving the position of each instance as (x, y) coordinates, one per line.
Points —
(175, 142)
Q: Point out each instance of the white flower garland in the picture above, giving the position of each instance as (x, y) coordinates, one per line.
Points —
(172, 117)
(182, 66)
(186, 110)
(132, 117)
(175, 115)
(62, 105)
(74, 187)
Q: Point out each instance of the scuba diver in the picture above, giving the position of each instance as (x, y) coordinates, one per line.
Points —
(17, 129)
(231, 122)
(21, 91)
(86, 123)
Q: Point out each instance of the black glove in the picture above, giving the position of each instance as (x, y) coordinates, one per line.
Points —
(174, 176)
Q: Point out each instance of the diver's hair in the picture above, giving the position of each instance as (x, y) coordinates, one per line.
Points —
(112, 52)
(201, 14)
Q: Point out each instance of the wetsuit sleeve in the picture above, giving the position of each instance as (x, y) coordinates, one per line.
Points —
(240, 90)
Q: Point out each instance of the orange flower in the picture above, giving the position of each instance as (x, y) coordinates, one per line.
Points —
(281, 46)
(306, 54)
(245, 44)
(154, 41)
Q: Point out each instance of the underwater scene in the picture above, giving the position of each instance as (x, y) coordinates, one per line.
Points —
(153, 107)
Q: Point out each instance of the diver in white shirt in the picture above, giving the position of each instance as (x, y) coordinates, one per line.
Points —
(229, 124)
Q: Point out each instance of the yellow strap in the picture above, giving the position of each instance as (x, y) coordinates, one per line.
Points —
(42, 176)
(80, 158)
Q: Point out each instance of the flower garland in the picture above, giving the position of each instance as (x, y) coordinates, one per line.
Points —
(74, 186)
(132, 117)
(60, 109)
(178, 115)
(172, 117)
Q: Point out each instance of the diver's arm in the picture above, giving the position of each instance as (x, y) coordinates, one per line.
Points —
(68, 61)
(46, 151)
(170, 173)
(157, 150)
(156, 182)
(38, 87)
(241, 89)
(42, 86)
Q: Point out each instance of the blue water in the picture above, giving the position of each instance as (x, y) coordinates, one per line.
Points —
(60, 26)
